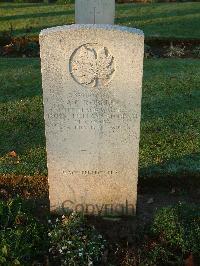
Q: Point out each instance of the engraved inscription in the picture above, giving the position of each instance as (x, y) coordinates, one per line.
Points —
(84, 114)
(92, 65)
(90, 172)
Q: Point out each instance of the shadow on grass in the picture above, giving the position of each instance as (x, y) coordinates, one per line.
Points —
(20, 79)
(159, 16)
(33, 31)
(166, 107)
(23, 134)
(178, 171)
(10, 64)
(150, 29)
(21, 5)
(167, 7)
(170, 88)
(146, 16)
(38, 15)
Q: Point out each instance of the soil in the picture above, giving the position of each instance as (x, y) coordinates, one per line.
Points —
(159, 48)
(154, 48)
(121, 233)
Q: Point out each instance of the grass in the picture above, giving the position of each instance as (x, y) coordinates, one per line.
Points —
(170, 139)
(160, 20)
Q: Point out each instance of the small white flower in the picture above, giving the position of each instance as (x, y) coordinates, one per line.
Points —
(68, 252)
(49, 221)
(90, 263)
(60, 250)
(57, 220)
(69, 242)
(73, 213)
(49, 234)
(80, 254)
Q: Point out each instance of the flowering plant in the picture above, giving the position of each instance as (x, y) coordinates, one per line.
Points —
(73, 242)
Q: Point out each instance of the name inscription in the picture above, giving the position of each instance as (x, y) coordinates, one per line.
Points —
(87, 113)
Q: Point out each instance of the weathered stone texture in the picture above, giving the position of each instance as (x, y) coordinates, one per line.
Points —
(92, 80)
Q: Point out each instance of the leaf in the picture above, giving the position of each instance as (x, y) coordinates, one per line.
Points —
(84, 65)
(4, 250)
(92, 66)
(105, 64)
(150, 200)
(3, 194)
(173, 191)
(12, 154)
(16, 262)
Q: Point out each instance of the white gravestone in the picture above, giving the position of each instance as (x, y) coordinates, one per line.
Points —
(94, 11)
(92, 80)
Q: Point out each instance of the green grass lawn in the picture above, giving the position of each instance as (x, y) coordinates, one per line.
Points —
(170, 138)
(161, 20)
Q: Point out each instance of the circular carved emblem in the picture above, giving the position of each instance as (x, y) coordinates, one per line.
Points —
(92, 65)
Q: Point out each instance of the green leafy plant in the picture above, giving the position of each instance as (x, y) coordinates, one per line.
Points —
(20, 46)
(22, 237)
(175, 51)
(73, 242)
(5, 37)
(148, 51)
(174, 234)
(196, 51)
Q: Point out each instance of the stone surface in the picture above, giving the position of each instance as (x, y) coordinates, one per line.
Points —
(92, 80)
(94, 11)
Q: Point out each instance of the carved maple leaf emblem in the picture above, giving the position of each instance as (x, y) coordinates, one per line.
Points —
(92, 66)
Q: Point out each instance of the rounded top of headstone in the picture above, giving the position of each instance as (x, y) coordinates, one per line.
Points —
(91, 26)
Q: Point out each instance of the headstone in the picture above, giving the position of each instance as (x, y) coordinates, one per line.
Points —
(92, 80)
(94, 11)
